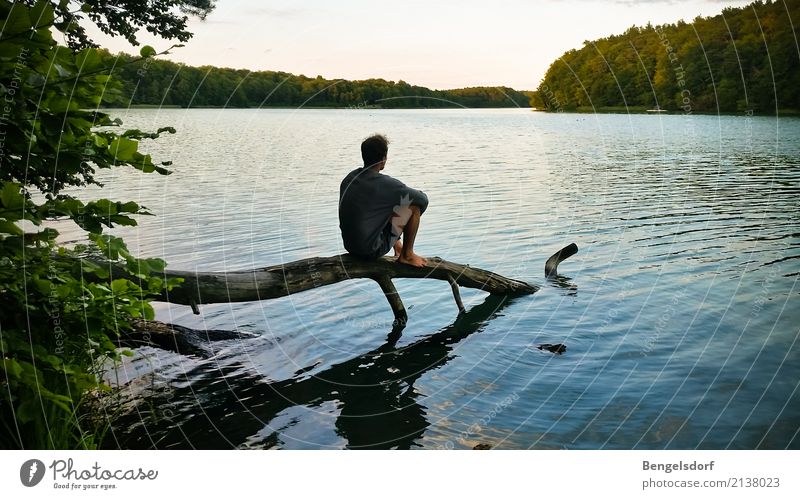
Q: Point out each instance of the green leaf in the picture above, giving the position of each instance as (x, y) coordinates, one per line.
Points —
(174, 282)
(61, 70)
(54, 360)
(123, 149)
(12, 367)
(42, 285)
(10, 49)
(8, 227)
(145, 164)
(129, 207)
(93, 268)
(149, 313)
(122, 220)
(26, 411)
(63, 291)
(117, 246)
(11, 196)
(88, 60)
(119, 286)
(42, 14)
(147, 51)
(104, 206)
(156, 264)
(18, 21)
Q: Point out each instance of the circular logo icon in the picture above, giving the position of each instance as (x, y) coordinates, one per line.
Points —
(31, 472)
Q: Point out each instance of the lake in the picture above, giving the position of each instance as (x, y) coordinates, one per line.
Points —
(679, 313)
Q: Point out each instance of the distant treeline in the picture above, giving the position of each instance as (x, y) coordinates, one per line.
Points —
(165, 83)
(743, 60)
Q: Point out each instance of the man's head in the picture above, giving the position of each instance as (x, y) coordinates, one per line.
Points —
(373, 151)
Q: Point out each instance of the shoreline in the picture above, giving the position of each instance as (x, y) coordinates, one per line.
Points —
(783, 113)
(354, 108)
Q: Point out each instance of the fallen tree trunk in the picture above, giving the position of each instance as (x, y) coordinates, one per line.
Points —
(175, 338)
(301, 275)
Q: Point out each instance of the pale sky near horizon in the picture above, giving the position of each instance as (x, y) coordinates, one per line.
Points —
(437, 44)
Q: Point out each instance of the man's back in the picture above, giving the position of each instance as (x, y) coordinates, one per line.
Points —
(367, 200)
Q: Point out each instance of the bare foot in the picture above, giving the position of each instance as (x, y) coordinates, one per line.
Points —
(398, 247)
(412, 259)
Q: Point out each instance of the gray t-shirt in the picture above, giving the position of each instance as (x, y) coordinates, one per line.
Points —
(367, 200)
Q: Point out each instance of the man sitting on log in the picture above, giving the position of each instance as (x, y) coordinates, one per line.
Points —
(375, 209)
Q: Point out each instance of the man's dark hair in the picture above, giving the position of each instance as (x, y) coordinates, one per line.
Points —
(374, 149)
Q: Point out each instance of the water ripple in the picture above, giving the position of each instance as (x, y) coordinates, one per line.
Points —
(682, 300)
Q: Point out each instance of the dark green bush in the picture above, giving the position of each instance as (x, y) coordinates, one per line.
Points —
(60, 310)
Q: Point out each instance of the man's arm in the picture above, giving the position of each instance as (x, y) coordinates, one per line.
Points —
(418, 198)
(398, 192)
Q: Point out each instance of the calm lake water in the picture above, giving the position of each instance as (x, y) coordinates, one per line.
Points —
(680, 312)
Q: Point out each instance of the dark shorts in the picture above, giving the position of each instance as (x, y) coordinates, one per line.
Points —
(387, 240)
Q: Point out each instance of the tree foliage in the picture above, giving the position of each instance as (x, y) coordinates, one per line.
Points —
(161, 82)
(165, 18)
(742, 60)
(60, 311)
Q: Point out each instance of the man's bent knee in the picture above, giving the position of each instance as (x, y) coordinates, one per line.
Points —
(401, 216)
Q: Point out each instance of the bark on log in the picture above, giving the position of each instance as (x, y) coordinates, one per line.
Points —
(301, 275)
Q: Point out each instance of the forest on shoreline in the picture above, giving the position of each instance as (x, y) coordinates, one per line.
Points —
(744, 60)
(158, 82)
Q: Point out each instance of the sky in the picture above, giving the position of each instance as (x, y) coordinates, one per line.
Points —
(437, 44)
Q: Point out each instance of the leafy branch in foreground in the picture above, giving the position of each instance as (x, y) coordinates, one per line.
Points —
(60, 309)
(165, 18)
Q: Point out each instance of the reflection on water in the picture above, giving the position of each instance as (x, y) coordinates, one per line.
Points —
(679, 315)
(374, 395)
